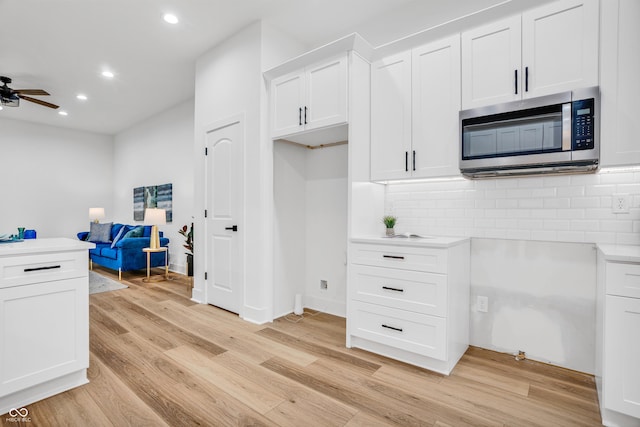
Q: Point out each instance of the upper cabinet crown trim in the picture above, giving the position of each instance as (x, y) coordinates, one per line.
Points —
(351, 42)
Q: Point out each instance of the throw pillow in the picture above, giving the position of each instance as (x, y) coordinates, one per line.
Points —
(100, 233)
(136, 232)
(121, 233)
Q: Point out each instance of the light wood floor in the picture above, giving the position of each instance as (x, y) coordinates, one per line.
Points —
(158, 359)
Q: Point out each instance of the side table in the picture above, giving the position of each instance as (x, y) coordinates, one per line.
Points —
(149, 251)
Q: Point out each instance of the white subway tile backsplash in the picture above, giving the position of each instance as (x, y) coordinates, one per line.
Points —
(572, 208)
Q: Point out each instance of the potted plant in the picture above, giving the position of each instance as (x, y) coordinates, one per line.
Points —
(188, 245)
(389, 221)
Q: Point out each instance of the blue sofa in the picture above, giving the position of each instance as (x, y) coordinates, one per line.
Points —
(126, 254)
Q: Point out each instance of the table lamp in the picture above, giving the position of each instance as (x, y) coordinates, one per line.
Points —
(96, 214)
(155, 217)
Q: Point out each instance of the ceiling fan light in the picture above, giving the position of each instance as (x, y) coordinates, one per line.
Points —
(11, 101)
(81, 97)
(63, 113)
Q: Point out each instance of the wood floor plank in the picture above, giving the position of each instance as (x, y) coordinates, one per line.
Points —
(318, 350)
(261, 399)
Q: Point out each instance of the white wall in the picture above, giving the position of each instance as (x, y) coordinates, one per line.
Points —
(326, 224)
(51, 177)
(158, 151)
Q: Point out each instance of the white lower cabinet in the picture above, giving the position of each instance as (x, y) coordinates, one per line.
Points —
(618, 336)
(44, 319)
(410, 300)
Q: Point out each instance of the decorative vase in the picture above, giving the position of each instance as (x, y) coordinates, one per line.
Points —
(390, 232)
(190, 265)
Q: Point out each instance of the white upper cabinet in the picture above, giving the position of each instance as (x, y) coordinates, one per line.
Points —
(491, 57)
(391, 117)
(560, 47)
(311, 98)
(549, 49)
(436, 102)
(619, 84)
(415, 99)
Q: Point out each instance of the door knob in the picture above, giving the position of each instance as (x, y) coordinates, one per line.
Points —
(232, 228)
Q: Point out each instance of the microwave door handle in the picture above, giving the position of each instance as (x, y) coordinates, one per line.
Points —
(566, 127)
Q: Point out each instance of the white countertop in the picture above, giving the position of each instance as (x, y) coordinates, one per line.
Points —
(425, 242)
(621, 253)
(33, 246)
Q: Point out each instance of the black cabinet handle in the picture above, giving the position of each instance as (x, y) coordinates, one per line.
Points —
(414, 160)
(49, 267)
(391, 327)
(393, 256)
(389, 288)
(516, 80)
(526, 79)
(300, 116)
(406, 161)
(232, 228)
(305, 115)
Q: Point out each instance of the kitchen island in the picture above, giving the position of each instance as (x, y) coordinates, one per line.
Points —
(44, 319)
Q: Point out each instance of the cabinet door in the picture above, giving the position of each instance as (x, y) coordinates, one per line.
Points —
(560, 47)
(391, 117)
(491, 60)
(45, 332)
(436, 103)
(622, 374)
(326, 94)
(619, 82)
(287, 104)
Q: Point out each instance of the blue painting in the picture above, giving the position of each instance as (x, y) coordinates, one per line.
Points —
(154, 196)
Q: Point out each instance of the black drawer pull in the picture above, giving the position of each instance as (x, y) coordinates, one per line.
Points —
(393, 256)
(388, 288)
(50, 267)
(392, 328)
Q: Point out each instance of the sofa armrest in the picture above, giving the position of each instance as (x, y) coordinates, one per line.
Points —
(83, 235)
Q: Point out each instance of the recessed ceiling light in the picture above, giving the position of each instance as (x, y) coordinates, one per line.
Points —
(81, 97)
(170, 18)
(63, 113)
(107, 74)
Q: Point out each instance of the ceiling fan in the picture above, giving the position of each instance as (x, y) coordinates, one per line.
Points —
(11, 97)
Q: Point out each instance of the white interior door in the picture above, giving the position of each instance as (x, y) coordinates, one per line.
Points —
(224, 264)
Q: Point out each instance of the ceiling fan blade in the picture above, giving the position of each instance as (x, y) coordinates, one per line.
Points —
(37, 101)
(31, 92)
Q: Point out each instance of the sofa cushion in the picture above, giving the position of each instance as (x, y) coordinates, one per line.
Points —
(123, 230)
(136, 232)
(100, 233)
(107, 252)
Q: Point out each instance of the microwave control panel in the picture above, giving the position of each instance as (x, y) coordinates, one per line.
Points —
(583, 131)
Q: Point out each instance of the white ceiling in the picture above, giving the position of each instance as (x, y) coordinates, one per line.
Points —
(62, 46)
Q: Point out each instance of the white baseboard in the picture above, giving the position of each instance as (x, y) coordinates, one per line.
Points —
(336, 308)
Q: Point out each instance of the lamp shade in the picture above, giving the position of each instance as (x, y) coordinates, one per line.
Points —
(96, 214)
(153, 216)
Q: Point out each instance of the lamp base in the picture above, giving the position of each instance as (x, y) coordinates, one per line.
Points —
(154, 242)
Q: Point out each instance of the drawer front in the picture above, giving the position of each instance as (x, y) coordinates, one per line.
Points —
(404, 257)
(417, 291)
(414, 332)
(623, 279)
(27, 269)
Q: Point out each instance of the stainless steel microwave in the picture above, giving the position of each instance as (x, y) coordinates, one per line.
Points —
(549, 134)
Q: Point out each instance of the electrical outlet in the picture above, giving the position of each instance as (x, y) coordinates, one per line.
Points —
(482, 304)
(620, 203)
(324, 285)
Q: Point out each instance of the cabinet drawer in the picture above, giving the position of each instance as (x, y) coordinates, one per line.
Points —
(414, 332)
(623, 279)
(404, 257)
(26, 269)
(417, 291)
